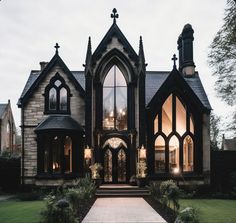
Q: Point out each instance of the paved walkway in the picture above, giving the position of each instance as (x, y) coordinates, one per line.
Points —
(122, 210)
(6, 197)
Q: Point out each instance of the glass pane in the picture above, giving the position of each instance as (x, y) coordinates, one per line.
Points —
(46, 157)
(191, 124)
(121, 106)
(63, 99)
(180, 117)
(109, 79)
(52, 99)
(108, 166)
(174, 154)
(167, 116)
(188, 154)
(120, 79)
(156, 125)
(56, 155)
(121, 172)
(68, 154)
(108, 108)
(159, 154)
(57, 83)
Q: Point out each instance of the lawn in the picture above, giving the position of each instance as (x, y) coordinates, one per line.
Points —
(20, 211)
(213, 210)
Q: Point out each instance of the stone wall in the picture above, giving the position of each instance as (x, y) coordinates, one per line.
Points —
(34, 114)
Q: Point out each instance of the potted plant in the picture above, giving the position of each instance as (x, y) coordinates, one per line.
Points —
(141, 173)
(132, 180)
(95, 170)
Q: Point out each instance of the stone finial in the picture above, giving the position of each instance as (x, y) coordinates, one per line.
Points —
(114, 15)
(57, 47)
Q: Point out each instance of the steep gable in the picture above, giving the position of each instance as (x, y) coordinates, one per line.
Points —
(36, 78)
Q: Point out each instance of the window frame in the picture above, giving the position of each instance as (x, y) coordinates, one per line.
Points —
(51, 85)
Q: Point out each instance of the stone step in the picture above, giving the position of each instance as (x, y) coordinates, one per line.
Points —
(121, 191)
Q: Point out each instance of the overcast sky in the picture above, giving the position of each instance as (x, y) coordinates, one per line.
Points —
(30, 29)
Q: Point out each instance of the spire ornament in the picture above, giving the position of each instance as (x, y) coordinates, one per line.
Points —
(174, 58)
(57, 47)
(114, 15)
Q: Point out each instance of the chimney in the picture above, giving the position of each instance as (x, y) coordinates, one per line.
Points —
(180, 49)
(43, 65)
(188, 66)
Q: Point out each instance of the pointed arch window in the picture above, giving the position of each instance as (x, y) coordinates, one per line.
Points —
(173, 132)
(57, 96)
(115, 100)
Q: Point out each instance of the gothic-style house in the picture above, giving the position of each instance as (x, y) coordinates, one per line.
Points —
(107, 112)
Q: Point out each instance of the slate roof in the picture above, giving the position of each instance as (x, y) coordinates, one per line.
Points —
(154, 80)
(2, 109)
(58, 122)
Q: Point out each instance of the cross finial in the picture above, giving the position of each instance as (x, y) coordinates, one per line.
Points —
(57, 47)
(114, 15)
(174, 58)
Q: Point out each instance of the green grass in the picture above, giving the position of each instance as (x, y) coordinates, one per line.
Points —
(213, 210)
(20, 211)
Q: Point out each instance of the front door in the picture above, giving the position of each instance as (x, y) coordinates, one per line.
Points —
(114, 165)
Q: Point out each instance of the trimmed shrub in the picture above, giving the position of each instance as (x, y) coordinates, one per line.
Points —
(9, 172)
(188, 215)
(154, 189)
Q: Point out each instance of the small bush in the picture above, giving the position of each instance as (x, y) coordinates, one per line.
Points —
(188, 215)
(154, 189)
(233, 181)
(57, 211)
(170, 193)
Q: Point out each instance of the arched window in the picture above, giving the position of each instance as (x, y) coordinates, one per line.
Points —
(115, 100)
(167, 116)
(173, 154)
(56, 155)
(159, 154)
(121, 170)
(57, 95)
(188, 154)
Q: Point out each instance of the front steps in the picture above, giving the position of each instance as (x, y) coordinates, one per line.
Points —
(121, 190)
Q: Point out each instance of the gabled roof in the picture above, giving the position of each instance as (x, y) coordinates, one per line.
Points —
(114, 31)
(155, 79)
(2, 109)
(59, 122)
(36, 77)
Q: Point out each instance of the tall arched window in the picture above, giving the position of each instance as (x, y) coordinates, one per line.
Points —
(174, 120)
(115, 100)
(57, 95)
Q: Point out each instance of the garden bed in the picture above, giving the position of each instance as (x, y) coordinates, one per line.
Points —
(167, 213)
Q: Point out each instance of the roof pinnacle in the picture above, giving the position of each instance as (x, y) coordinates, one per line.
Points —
(114, 15)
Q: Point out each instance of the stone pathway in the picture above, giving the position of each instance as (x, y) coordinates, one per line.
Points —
(122, 210)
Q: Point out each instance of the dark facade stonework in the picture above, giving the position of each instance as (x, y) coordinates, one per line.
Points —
(115, 107)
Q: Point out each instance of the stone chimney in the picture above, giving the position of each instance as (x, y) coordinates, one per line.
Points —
(186, 49)
(180, 49)
(43, 65)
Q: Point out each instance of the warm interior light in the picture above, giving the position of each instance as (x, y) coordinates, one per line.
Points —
(176, 170)
(142, 153)
(87, 153)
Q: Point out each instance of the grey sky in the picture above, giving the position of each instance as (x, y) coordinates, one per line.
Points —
(30, 29)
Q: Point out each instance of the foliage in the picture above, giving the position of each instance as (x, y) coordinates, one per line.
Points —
(95, 169)
(141, 168)
(170, 193)
(9, 171)
(68, 202)
(57, 210)
(154, 189)
(188, 215)
(233, 181)
(222, 56)
(214, 131)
